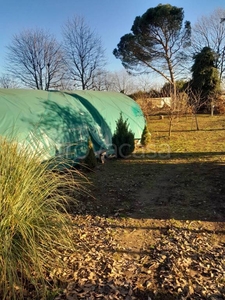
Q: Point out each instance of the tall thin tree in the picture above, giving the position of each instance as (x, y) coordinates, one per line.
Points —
(85, 56)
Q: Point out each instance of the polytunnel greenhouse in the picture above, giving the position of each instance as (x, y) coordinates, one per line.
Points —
(61, 123)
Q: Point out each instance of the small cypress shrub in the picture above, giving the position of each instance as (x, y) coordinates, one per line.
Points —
(145, 137)
(123, 138)
(90, 160)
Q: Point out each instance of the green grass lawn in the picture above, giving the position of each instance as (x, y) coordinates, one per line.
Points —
(185, 138)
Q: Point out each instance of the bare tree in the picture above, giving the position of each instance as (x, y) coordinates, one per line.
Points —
(7, 82)
(195, 102)
(35, 58)
(209, 31)
(101, 81)
(121, 81)
(84, 53)
(145, 83)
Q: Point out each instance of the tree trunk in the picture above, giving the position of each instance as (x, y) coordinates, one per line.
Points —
(196, 121)
(170, 125)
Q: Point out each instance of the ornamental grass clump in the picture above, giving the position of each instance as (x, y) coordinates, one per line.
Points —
(34, 225)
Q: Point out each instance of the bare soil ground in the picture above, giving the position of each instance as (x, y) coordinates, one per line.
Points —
(173, 188)
(153, 225)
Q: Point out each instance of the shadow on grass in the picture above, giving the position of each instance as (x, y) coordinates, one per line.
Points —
(174, 155)
(181, 186)
(193, 130)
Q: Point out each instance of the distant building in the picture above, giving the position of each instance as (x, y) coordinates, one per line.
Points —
(159, 102)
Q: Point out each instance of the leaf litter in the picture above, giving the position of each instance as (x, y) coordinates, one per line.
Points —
(130, 245)
(181, 264)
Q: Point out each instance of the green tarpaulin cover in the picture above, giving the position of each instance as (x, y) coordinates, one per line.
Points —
(60, 123)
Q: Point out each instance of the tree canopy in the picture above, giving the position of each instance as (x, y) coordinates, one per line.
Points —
(156, 43)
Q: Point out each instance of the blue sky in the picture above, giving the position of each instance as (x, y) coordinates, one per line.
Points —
(110, 19)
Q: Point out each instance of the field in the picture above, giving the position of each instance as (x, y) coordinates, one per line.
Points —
(153, 225)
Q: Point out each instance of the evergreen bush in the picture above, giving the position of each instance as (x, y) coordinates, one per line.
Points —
(145, 137)
(123, 139)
